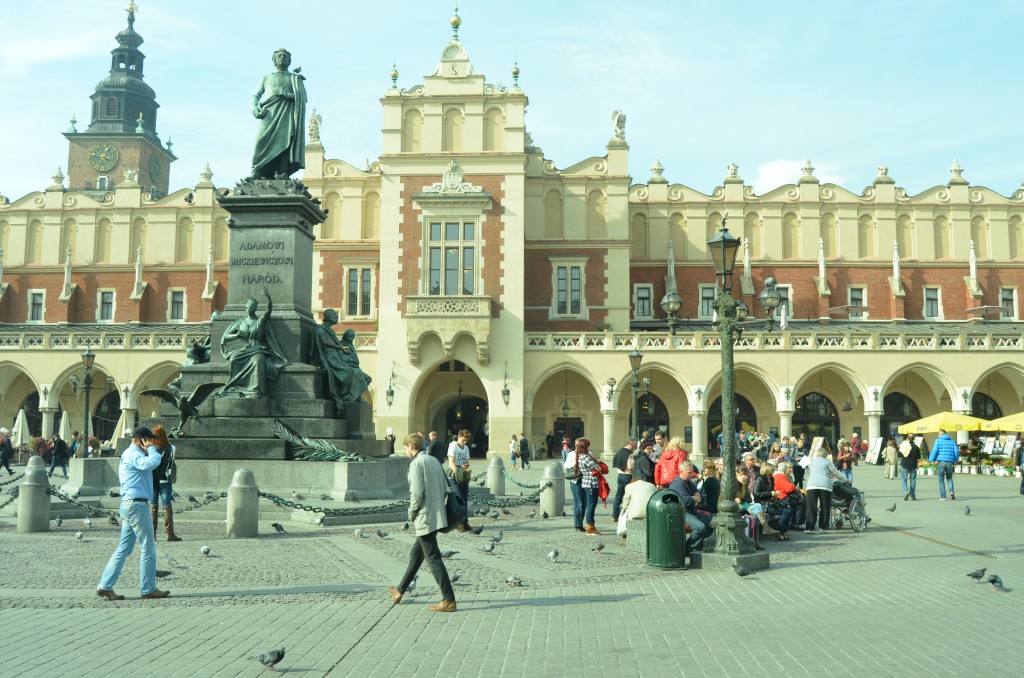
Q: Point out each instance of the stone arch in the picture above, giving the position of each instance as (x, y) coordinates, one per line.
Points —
(752, 230)
(597, 209)
(154, 376)
(814, 380)
(138, 237)
(979, 234)
(331, 229)
(553, 215)
(943, 237)
(905, 236)
(935, 383)
(452, 132)
(790, 236)
(677, 234)
(69, 238)
(370, 227)
(829, 230)
(34, 242)
(412, 131)
(866, 237)
(713, 225)
(103, 241)
(494, 129)
(1004, 383)
(183, 239)
(638, 237)
(16, 384)
(435, 393)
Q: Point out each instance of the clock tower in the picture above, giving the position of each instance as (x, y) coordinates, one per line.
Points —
(121, 136)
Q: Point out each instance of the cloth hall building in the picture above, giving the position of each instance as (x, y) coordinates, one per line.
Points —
(491, 290)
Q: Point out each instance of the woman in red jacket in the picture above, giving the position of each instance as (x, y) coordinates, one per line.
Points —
(788, 493)
(667, 467)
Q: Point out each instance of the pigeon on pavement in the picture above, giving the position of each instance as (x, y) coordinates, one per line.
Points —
(326, 497)
(997, 583)
(359, 533)
(319, 520)
(353, 498)
(488, 548)
(506, 511)
(891, 508)
(207, 495)
(477, 530)
(405, 526)
(553, 555)
(967, 510)
(113, 521)
(456, 577)
(495, 515)
(88, 523)
(175, 495)
(977, 575)
(513, 581)
(79, 535)
(205, 550)
(598, 548)
(482, 483)
(192, 499)
(270, 659)
(545, 514)
(59, 521)
(170, 559)
(448, 554)
(277, 526)
(532, 513)
(741, 571)
(382, 534)
(498, 537)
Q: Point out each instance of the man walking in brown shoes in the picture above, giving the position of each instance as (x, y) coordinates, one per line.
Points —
(427, 490)
(136, 475)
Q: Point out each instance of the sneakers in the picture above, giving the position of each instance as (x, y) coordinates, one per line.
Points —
(396, 595)
(906, 496)
(942, 499)
(443, 606)
(156, 593)
(109, 595)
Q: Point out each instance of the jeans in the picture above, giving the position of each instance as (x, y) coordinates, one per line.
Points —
(620, 492)
(162, 494)
(908, 476)
(63, 465)
(848, 473)
(425, 547)
(588, 497)
(577, 505)
(785, 514)
(700, 526)
(136, 525)
(819, 507)
(944, 471)
(463, 491)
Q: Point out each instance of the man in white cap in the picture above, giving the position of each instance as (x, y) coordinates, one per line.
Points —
(6, 450)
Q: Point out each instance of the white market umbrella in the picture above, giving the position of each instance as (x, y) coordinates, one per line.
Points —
(20, 435)
(65, 429)
(119, 428)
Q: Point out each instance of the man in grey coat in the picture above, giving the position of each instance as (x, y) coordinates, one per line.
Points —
(427, 490)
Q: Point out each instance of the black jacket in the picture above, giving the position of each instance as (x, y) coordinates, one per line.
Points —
(438, 450)
(60, 450)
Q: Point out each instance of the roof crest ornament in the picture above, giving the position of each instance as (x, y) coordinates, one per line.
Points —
(451, 182)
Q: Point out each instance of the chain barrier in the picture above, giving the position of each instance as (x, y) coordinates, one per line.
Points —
(210, 497)
(359, 511)
(57, 475)
(13, 497)
(12, 479)
(529, 499)
(93, 510)
(508, 476)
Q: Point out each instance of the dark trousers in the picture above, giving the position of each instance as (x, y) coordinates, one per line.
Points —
(798, 475)
(6, 463)
(426, 547)
(819, 506)
(577, 505)
(464, 493)
(620, 492)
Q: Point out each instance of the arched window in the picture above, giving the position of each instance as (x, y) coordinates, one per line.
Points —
(984, 407)
(104, 236)
(897, 409)
(713, 226)
(138, 238)
(816, 416)
(331, 229)
(111, 111)
(221, 239)
(34, 242)
(746, 420)
(653, 415)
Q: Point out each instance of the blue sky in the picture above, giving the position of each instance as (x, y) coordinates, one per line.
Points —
(850, 85)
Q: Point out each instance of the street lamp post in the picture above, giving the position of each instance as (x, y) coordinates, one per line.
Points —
(88, 358)
(671, 303)
(730, 540)
(635, 358)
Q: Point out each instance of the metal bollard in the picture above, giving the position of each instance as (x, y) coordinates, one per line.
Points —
(243, 505)
(552, 499)
(496, 477)
(34, 499)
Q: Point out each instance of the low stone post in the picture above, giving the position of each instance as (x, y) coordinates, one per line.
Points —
(243, 505)
(552, 499)
(34, 498)
(496, 477)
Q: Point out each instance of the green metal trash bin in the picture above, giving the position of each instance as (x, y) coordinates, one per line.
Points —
(665, 530)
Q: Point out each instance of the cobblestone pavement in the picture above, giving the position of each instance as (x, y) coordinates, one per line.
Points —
(893, 600)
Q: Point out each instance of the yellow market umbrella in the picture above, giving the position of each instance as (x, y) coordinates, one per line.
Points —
(948, 421)
(1011, 422)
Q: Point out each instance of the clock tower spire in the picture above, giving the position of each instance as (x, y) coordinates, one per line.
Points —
(122, 128)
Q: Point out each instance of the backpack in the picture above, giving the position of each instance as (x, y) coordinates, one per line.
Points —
(571, 467)
(169, 466)
(454, 508)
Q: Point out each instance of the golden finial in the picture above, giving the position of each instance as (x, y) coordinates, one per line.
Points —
(132, 8)
(456, 21)
(394, 75)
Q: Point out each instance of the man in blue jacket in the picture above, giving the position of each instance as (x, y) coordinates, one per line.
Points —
(946, 453)
(700, 523)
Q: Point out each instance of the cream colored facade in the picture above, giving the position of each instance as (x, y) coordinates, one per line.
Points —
(456, 150)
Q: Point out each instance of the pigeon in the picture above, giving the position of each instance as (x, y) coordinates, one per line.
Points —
(270, 659)
(563, 514)
(506, 511)
(495, 515)
(891, 508)
(482, 483)
(208, 495)
(448, 554)
(545, 514)
(359, 533)
(205, 550)
(477, 530)
(170, 559)
(488, 548)
(277, 526)
(997, 583)
(977, 574)
(88, 523)
(405, 526)
(553, 556)
(163, 573)
(967, 510)
(113, 521)
(741, 571)
(79, 535)
(382, 534)
(295, 495)
(175, 495)
(326, 497)
(192, 499)
(513, 581)
(319, 520)
(532, 514)
(597, 549)
(498, 537)
(456, 577)
(353, 498)
(59, 521)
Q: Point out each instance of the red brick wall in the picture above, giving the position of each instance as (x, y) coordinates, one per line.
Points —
(537, 272)
(332, 287)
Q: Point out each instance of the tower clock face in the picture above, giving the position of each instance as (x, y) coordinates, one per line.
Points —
(103, 157)
(155, 167)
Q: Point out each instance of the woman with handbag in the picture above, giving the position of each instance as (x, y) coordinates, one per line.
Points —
(766, 495)
(513, 452)
(589, 471)
(163, 475)
(458, 469)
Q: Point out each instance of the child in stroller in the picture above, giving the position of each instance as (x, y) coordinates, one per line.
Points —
(848, 507)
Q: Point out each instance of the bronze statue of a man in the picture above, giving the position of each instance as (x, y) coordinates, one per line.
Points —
(346, 381)
(280, 144)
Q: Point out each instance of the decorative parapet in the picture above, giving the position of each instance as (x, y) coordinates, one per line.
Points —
(448, 318)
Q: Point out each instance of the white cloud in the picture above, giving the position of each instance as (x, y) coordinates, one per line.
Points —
(771, 175)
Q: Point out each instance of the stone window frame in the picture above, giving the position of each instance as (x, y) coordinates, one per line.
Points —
(170, 304)
(1014, 313)
(636, 301)
(701, 289)
(346, 275)
(476, 243)
(42, 306)
(857, 315)
(99, 304)
(938, 301)
(786, 290)
(569, 262)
